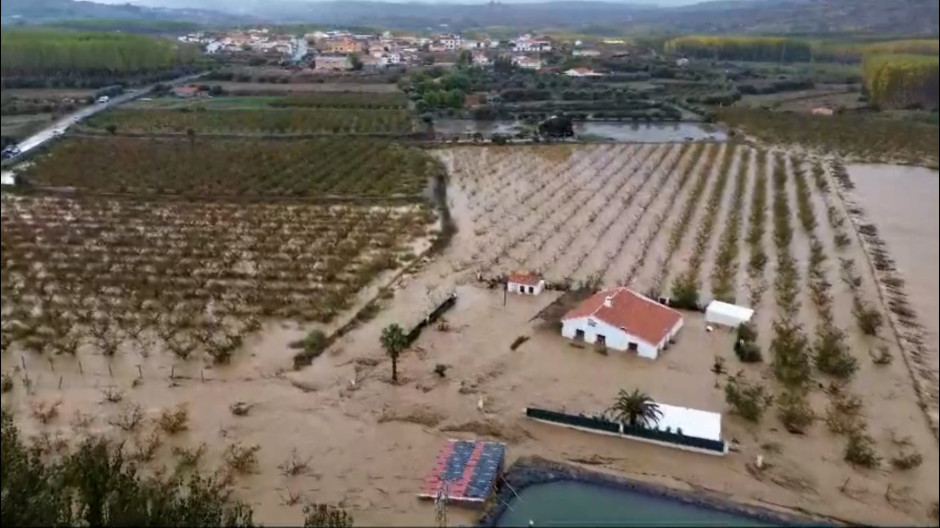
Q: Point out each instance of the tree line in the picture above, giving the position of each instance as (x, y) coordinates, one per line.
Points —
(762, 49)
(790, 49)
(901, 81)
(49, 52)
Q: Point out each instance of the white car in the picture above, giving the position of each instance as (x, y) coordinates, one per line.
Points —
(103, 99)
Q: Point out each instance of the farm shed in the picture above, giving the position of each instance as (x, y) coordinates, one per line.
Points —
(726, 314)
(527, 283)
(622, 319)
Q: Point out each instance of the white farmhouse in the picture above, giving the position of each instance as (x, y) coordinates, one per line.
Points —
(525, 282)
(726, 314)
(622, 319)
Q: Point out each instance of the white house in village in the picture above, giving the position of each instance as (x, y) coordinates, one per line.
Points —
(622, 319)
(725, 314)
(527, 62)
(480, 59)
(582, 72)
(525, 282)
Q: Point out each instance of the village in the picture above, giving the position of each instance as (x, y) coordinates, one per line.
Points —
(341, 50)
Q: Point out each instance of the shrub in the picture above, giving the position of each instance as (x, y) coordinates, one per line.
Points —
(907, 461)
(747, 332)
(842, 414)
(242, 459)
(128, 418)
(747, 400)
(794, 411)
(6, 385)
(790, 361)
(440, 369)
(746, 347)
(189, 458)
(313, 345)
(295, 464)
(326, 516)
(685, 294)
(46, 411)
(860, 450)
(174, 421)
(748, 352)
(96, 485)
(869, 319)
(832, 356)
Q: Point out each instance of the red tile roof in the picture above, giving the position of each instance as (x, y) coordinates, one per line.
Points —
(528, 278)
(630, 311)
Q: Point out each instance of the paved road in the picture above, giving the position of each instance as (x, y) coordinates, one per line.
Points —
(59, 127)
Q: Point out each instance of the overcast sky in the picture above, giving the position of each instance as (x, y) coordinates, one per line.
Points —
(235, 3)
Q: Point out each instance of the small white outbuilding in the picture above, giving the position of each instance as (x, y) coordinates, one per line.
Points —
(726, 314)
(528, 283)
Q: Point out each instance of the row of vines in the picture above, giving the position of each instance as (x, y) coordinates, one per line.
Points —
(274, 121)
(194, 277)
(236, 168)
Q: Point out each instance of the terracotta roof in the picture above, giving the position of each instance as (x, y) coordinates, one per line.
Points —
(630, 311)
(527, 277)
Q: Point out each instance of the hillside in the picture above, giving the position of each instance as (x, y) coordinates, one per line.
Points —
(912, 17)
(816, 17)
(16, 12)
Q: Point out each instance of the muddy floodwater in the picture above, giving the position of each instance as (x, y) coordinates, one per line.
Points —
(903, 203)
(569, 503)
(595, 130)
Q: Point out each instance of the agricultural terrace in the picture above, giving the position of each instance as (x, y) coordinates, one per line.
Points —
(296, 119)
(236, 168)
(858, 137)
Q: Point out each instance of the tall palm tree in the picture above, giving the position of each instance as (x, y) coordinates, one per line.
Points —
(635, 408)
(394, 341)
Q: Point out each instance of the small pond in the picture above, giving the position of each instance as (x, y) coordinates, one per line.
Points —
(626, 131)
(570, 503)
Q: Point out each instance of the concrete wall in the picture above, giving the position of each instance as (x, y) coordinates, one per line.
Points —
(615, 338)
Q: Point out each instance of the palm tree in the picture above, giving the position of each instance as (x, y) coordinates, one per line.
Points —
(635, 408)
(394, 341)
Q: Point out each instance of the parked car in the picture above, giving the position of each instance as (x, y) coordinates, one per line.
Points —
(103, 99)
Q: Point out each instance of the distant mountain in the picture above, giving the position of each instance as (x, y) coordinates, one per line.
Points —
(896, 17)
(14, 12)
(912, 17)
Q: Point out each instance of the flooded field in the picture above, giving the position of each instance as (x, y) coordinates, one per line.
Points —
(648, 215)
(594, 130)
(904, 203)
